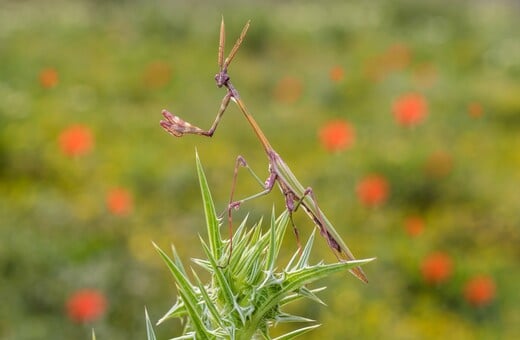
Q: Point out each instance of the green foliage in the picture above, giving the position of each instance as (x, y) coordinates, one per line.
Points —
(246, 292)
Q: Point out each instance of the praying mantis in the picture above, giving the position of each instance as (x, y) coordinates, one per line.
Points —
(295, 193)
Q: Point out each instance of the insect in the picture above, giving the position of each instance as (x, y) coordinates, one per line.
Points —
(295, 193)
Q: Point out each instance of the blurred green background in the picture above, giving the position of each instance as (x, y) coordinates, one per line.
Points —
(111, 66)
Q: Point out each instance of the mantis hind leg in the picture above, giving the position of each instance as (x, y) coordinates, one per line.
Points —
(295, 230)
(292, 203)
(318, 219)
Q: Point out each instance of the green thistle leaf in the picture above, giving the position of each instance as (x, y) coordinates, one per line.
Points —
(212, 221)
(150, 335)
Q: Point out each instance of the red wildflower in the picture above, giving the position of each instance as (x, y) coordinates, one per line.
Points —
(437, 267)
(372, 190)
(336, 74)
(480, 291)
(48, 78)
(288, 90)
(157, 74)
(410, 109)
(86, 305)
(414, 225)
(337, 135)
(475, 110)
(76, 140)
(119, 201)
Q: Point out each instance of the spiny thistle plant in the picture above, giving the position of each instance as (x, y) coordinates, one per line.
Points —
(247, 291)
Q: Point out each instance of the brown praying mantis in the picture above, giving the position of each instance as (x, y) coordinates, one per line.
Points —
(295, 194)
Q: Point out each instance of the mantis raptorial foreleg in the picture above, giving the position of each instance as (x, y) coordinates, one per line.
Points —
(179, 127)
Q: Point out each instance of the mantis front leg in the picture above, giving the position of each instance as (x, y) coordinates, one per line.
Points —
(178, 127)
